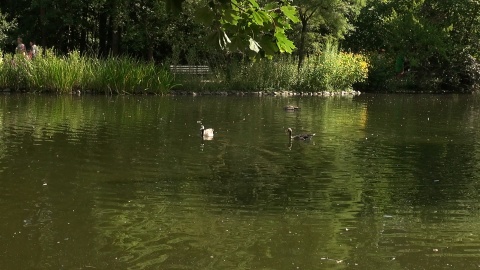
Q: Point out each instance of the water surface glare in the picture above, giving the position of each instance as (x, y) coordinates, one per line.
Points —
(93, 182)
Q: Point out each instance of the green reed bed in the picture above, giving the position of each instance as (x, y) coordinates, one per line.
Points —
(330, 70)
(128, 76)
(264, 74)
(13, 72)
(73, 72)
(51, 73)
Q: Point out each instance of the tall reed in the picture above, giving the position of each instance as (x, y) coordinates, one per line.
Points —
(265, 75)
(329, 70)
(13, 73)
(64, 74)
(123, 75)
(60, 74)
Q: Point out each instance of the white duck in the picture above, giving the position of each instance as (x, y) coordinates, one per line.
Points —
(206, 132)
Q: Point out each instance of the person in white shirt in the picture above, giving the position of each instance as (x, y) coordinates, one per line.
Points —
(20, 47)
(33, 49)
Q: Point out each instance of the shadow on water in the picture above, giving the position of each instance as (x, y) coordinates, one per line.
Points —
(128, 182)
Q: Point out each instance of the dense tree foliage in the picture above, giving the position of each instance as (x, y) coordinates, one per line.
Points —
(439, 39)
(6, 25)
(322, 20)
(154, 28)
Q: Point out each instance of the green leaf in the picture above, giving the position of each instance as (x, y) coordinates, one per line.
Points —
(286, 45)
(252, 55)
(238, 43)
(270, 6)
(219, 38)
(283, 43)
(268, 45)
(291, 13)
(254, 3)
(213, 38)
(204, 15)
(234, 5)
(257, 18)
(265, 16)
(231, 17)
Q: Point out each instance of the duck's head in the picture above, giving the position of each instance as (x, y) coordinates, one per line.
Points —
(289, 131)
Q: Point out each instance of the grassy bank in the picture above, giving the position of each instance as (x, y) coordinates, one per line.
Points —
(330, 70)
(64, 74)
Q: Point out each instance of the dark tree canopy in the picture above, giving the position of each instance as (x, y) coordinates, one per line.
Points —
(145, 28)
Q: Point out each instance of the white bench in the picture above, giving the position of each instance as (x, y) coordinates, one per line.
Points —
(184, 69)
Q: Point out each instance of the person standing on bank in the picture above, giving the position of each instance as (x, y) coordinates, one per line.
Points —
(20, 47)
(33, 49)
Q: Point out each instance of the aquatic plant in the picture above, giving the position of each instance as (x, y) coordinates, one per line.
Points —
(329, 70)
(13, 72)
(59, 74)
(123, 75)
(49, 72)
(263, 74)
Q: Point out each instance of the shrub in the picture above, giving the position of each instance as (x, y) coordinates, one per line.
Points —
(332, 70)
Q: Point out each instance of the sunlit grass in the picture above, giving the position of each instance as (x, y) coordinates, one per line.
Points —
(64, 74)
(330, 70)
(264, 74)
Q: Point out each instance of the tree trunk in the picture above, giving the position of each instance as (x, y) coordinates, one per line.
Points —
(301, 46)
(42, 25)
(83, 32)
(149, 44)
(150, 51)
(102, 34)
(114, 35)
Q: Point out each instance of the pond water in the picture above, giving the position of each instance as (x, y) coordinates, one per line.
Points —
(94, 182)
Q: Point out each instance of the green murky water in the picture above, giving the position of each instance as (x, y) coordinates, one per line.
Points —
(388, 182)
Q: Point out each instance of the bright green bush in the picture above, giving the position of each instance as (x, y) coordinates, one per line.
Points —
(332, 70)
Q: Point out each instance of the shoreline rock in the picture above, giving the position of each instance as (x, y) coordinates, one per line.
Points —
(215, 93)
(265, 93)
